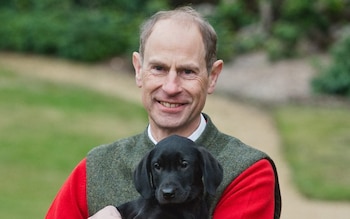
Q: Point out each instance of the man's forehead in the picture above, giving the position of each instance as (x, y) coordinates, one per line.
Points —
(175, 24)
(175, 35)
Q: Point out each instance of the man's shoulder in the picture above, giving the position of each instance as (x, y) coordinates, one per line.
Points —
(234, 155)
(239, 155)
(229, 146)
(220, 143)
(236, 146)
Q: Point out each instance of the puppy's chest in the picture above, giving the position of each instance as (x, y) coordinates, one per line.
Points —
(176, 213)
(149, 209)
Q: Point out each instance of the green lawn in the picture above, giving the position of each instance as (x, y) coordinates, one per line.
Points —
(45, 130)
(316, 142)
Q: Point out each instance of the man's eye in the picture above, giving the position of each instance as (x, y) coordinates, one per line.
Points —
(158, 68)
(188, 74)
(188, 71)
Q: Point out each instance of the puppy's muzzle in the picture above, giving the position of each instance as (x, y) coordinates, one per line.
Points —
(171, 193)
(168, 193)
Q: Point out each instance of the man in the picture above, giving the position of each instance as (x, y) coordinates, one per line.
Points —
(176, 68)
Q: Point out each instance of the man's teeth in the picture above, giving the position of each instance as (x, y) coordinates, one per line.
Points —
(170, 105)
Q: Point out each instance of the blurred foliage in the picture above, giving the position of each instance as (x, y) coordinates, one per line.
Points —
(89, 30)
(336, 78)
(282, 43)
(83, 35)
(228, 19)
(93, 30)
(235, 15)
(282, 27)
(290, 28)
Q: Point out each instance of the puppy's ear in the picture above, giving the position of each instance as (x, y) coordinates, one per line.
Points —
(212, 171)
(143, 177)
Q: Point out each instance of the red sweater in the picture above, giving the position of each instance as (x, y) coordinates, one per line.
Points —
(250, 195)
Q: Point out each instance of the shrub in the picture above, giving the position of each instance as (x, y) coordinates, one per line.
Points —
(227, 19)
(336, 78)
(235, 15)
(309, 21)
(95, 35)
(88, 30)
(30, 5)
(283, 41)
(85, 35)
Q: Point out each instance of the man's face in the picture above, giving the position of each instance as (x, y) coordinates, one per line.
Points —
(174, 78)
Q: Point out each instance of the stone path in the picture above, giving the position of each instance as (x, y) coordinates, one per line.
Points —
(253, 76)
(250, 124)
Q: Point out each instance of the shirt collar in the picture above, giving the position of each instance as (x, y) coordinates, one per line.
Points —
(194, 136)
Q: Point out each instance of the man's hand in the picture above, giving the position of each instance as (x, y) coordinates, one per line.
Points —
(108, 212)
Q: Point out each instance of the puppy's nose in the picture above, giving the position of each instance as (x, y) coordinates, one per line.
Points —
(168, 193)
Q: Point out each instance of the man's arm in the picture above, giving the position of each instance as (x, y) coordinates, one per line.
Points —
(250, 195)
(71, 202)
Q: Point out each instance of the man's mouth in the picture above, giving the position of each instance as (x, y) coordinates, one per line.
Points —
(170, 105)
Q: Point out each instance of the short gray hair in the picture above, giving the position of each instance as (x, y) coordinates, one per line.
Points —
(207, 31)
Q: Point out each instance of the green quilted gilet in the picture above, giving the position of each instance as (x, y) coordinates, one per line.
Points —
(110, 167)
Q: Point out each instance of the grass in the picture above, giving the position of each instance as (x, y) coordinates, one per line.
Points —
(316, 143)
(45, 130)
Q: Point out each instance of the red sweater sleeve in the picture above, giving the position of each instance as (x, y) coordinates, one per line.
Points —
(250, 195)
(71, 202)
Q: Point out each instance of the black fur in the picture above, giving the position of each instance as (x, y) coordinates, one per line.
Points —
(173, 180)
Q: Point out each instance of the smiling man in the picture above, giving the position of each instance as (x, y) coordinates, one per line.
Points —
(173, 76)
(176, 68)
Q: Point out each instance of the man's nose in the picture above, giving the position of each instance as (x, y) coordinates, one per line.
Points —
(172, 83)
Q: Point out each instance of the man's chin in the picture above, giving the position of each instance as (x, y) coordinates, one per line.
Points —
(169, 122)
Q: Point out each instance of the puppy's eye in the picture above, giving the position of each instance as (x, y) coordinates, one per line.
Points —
(184, 164)
(156, 166)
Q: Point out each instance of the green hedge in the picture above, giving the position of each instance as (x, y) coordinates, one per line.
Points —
(85, 35)
(91, 30)
(336, 78)
(86, 30)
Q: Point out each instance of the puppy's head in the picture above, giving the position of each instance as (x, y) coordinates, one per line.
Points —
(177, 171)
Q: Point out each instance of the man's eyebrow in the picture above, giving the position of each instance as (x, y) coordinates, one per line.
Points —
(188, 66)
(156, 62)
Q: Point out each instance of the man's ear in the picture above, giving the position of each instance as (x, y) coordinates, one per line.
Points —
(137, 63)
(214, 75)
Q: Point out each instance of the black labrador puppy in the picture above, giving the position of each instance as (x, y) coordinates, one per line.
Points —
(173, 179)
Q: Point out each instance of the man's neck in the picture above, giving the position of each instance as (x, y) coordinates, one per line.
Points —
(192, 136)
